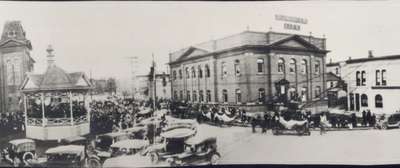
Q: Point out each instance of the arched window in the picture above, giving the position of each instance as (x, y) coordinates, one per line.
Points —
(317, 67)
(358, 79)
(363, 76)
(304, 97)
(174, 75)
(281, 65)
(200, 71)
(180, 74)
(208, 73)
(304, 67)
(176, 95)
(194, 96)
(261, 94)
(224, 70)
(187, 72)
(181, 94)
(292, 66)
(193, 73)
(237, 67)
(364, 100)
(260, 65)
(224, 95)
(317, 92)
(208, 96)
(378, 101)
(378, 77)
(188, 95)
(238, 96)
(201, 96)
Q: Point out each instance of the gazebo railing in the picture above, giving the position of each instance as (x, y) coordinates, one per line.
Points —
(56, 121)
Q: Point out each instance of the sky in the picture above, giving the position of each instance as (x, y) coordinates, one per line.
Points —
(98, 37)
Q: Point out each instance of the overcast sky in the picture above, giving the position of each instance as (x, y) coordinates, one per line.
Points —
(99, 36)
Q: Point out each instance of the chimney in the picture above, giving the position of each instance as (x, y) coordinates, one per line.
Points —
(370, 55)
(50, 56)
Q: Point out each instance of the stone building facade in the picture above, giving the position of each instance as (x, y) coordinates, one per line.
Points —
(249, 69)
(14, 63)
(145, 87)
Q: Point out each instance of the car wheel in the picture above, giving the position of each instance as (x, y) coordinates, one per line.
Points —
(384, 126)
(94, 163)
(153, 157)
(214, 159)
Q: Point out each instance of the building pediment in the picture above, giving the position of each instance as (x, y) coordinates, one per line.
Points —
(295, 41)
(13, 43)
(192, 52)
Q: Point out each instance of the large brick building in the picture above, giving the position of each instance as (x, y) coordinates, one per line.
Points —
(249, 69)
(14, 63)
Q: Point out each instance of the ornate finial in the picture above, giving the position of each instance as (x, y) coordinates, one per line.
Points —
(49, 49)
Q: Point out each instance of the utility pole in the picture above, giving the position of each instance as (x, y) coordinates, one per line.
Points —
(154, 83)
(133, 61)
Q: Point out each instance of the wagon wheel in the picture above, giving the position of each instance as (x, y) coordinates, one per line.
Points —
(153, 157)
(214, 159)
(27, 157)
(384, 126)
(94, 163)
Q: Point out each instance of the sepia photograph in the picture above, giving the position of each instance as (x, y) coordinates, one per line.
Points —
(121, 84)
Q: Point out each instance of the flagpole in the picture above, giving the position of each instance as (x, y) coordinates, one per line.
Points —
(154, 83)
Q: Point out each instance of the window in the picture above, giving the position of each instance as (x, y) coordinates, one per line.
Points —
(378, 101)
(194, 95)
(281, 65)
(238, 96)
(358, 80)
(292, 66)
(304, 67)
(384, 77)
(337, 71)
(180, 74)
(201, 96)
(187, 72)
(224, 72)
(181, 94)
(260, 65)
(224, 95)
(378, 77)
(317, 67)
(364, 100)
(363, 76)
(261, 94)
(207, 71)
(237, 67)
(175, 95)
(208, 96)
(317, 91)
(188, 95)
(351, 101)
(303, 94)
(331, 84)
(200, 72)
(193, 73)
(174, 75)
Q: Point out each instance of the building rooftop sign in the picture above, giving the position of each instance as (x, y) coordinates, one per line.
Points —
(293, 22)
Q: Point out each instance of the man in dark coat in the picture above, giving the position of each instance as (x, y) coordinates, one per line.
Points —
(368, 118)
(364, 118)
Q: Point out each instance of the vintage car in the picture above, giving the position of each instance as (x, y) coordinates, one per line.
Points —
(137, 132)
(76, 140)
(128, 147)
(393, 121)
(171, 143)
(101, 146)
(19, 152)
(180, 123)
(199, 150)
(67, 156)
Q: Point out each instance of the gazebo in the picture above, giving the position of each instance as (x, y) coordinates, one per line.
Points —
(54, 103)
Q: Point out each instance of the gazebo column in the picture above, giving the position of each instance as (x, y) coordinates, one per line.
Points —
(43, 117)
(70, 107)
(26, 112)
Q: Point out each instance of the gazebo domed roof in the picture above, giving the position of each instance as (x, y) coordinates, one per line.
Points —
(55, 78)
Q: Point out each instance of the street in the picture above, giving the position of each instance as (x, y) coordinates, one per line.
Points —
(238, 145)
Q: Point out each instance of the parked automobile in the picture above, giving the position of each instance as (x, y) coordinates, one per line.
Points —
(101, 145)
(68, 156)
(128, 147)
(291, 127)
(199, 150)
(137, 132)
(76, 140)
(171, 142)
(393, 121)
(19, 152)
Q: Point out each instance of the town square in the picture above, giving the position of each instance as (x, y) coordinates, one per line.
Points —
(170, 84)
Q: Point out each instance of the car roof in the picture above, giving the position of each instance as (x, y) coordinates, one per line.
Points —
(21, 141)
(67, 149)
(114, 134)
(198, 139)
(178, 133)
(74, 138)
(131, 144)
(135, 129)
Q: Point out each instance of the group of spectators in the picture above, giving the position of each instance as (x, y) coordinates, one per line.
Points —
(11, 123)
(56, 108)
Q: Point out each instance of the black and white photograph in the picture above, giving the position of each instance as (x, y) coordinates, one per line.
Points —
(121, 84)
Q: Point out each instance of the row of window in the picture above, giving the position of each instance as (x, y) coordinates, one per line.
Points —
(380, 77)
(293, 66)
(238, 95)
(356, 101)
(193, 72)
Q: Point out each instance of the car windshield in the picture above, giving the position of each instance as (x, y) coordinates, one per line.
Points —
(104, 142)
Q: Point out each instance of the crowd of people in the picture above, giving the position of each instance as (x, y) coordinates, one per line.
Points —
(11, 123)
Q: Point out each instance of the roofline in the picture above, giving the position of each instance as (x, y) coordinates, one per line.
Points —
(360, 60)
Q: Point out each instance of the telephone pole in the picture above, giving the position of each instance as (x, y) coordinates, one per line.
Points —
(133, 63)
